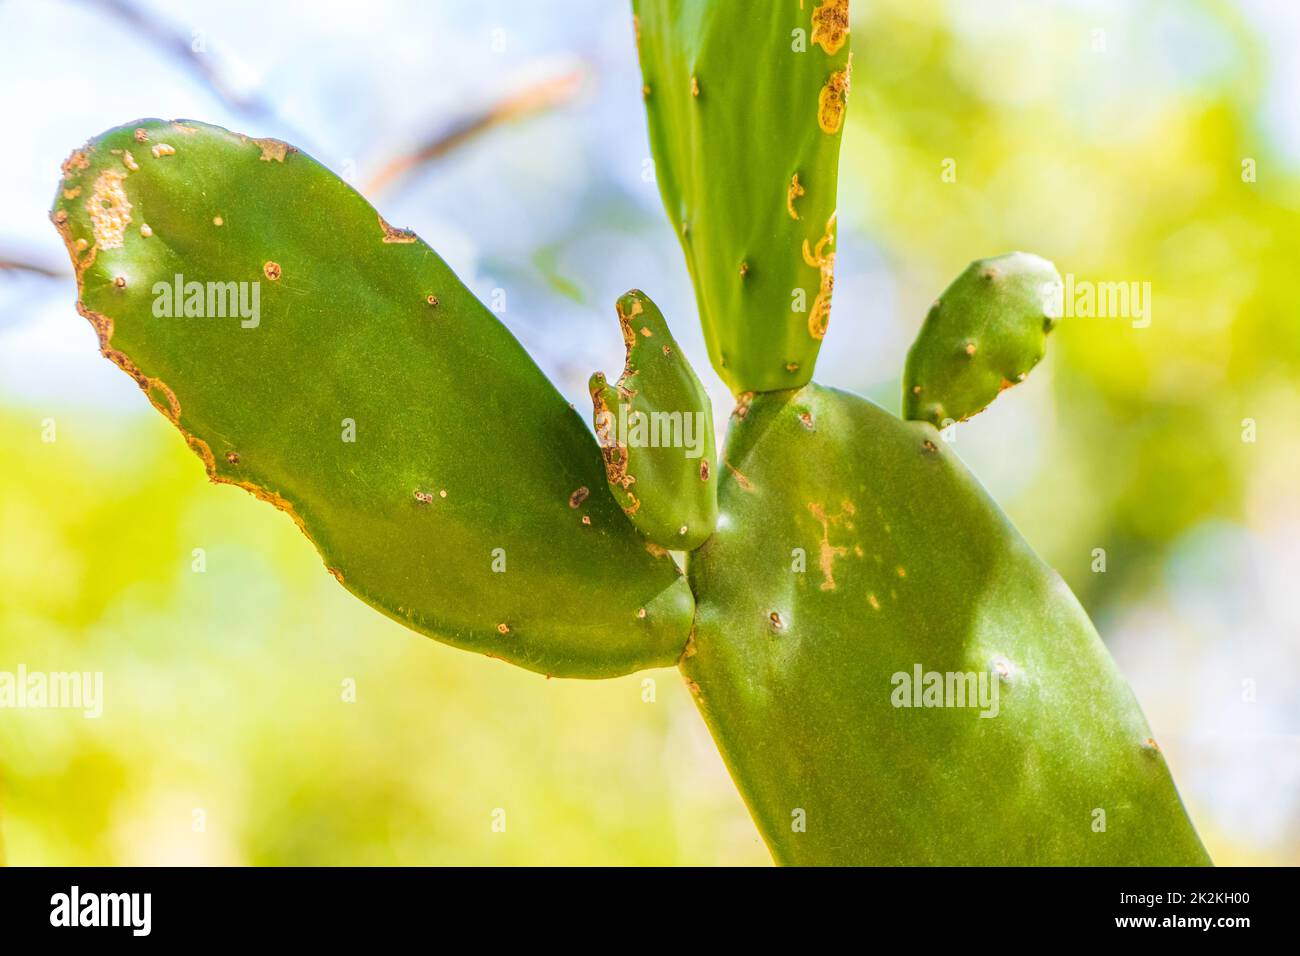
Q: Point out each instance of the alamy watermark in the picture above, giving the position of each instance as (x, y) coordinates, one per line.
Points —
(208, 300)
(53, 690)
(637, 429)
(922, 688)
(133, 911)
(1085, 299)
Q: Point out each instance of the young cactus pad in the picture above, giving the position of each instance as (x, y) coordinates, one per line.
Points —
(334, 366)
(655, 429)
(746, 104)
(983, 335)
(853, 550)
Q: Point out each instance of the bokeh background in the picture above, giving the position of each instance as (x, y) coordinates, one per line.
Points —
(1107, 135)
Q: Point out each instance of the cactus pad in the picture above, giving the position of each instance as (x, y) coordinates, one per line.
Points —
(746, 105)
(334, 366)
(853, 548)
(655, 429)
(983, 335)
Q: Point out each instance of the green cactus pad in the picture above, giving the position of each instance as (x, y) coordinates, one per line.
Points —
(853, 547)
(983, 335)
(440, 475)
(746, 106)
(655, 429)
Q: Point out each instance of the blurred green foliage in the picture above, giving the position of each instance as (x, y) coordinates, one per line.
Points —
(225, 694)
(1094, 150)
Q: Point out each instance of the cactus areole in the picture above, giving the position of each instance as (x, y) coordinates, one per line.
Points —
(890, 672)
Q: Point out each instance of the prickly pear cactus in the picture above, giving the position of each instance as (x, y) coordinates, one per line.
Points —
(983, 335)
(746, 106)
(890, 672)
(855, 555)
(655, 429)
(334, 366)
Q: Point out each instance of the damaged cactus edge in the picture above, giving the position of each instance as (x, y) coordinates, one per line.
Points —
(655, 429)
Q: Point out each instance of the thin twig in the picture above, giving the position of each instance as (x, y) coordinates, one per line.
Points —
(36, 268)
(538, 98)
(180, 47)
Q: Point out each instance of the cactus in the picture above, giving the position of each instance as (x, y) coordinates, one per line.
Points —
(655, 428)
(983, 335)
(846, 575)
(368, 395)
(853, 548)
(746, 106)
